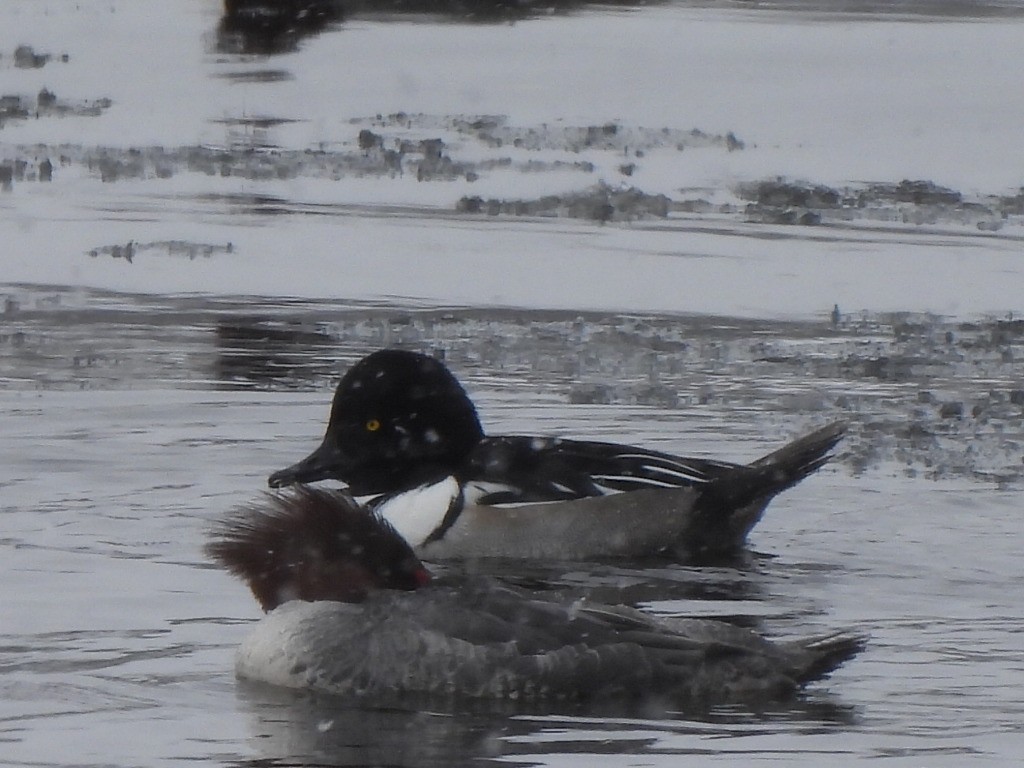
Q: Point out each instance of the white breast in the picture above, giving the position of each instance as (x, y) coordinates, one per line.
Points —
(279, 649)
(417, 513)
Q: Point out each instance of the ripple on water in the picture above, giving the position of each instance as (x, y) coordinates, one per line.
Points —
(109, 487)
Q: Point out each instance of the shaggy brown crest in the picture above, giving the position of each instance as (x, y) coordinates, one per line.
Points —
(313, 544)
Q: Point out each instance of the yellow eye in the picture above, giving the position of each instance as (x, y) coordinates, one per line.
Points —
(372, 425)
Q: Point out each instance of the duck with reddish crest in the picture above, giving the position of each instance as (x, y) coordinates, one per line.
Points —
(353, 612)
(403, 430)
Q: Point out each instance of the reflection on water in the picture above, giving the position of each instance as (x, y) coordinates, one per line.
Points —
(130, 421)
(266, 27)
(880, 8)
(916, 388)
(316, 730)
(261, 352)
(273, 26)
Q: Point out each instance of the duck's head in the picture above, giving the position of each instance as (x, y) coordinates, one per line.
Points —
(313, 544)
(398, 419)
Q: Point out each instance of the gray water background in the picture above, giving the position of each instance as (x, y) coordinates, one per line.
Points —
(130, 420)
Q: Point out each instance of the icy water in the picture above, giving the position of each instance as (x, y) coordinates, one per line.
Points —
(615, 222)
(131, 422)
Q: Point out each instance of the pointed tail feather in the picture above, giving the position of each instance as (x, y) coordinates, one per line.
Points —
(798, 459)
(731, 505)
(819, 656)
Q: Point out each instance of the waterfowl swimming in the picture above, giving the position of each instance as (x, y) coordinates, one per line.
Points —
(353, 612)
(403, 430)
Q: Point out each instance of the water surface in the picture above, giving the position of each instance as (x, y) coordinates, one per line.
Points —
(627, 223)
(148, 418)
